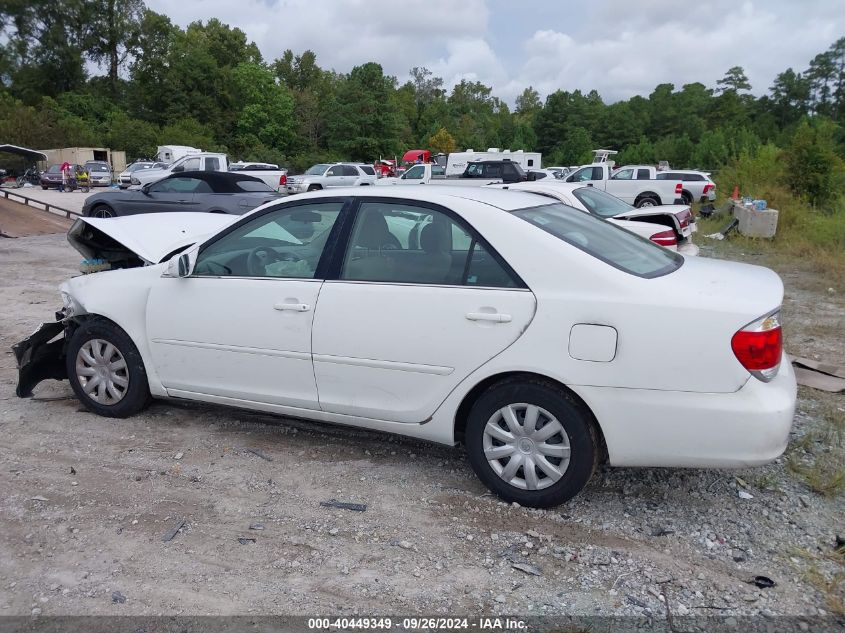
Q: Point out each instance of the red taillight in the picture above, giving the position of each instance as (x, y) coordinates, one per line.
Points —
(708, 188)
(679, 189)
(665, 238)
(283, 180)
(759, 346)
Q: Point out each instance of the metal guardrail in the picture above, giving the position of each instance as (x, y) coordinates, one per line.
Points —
(49, 207)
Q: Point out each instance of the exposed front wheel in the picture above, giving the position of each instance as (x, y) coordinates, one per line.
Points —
(106, 371)
(531, 443)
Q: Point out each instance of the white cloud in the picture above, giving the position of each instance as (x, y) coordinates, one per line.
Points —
(618, 47)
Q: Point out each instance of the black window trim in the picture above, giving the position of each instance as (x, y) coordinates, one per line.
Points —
(328, 250)
(347, 221)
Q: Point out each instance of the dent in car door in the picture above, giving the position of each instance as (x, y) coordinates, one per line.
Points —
(390, 341)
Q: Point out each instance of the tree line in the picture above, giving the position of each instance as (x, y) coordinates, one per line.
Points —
(208, 86)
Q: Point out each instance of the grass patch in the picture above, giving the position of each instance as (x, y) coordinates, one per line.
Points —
(824, 474)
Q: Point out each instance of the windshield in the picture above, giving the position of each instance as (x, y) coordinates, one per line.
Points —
(97, 167)
(317, 170)
(600, 203)
(604, 241)
(137, 166)
(53, 169)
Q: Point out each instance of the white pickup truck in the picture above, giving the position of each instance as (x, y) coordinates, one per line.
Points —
(636, 185)
(208, 161)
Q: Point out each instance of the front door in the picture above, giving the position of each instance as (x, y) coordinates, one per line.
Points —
(240, 326)
(420, 303)
(175, 193)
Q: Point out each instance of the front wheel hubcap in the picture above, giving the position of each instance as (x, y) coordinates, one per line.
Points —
(526, 446)
(102, 371)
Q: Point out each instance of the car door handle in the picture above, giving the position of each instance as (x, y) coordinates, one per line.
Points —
(292, 307)
(183, 201)
(495, 317)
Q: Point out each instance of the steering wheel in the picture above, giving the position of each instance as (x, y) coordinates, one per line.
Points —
(260, 256)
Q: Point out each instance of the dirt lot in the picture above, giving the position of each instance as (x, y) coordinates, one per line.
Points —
(87, 500)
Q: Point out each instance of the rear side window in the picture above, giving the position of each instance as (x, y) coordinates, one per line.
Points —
(405, 243)
(254, 185)
(604, 241)
(350, 170)
(642, 174)
(367, 170)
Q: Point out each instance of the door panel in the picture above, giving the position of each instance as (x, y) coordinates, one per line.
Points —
(394, 352)
(227, 337)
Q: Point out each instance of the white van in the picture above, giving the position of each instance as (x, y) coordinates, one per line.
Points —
(457, 161)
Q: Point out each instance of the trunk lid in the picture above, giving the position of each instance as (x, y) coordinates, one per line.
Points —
(677, 216)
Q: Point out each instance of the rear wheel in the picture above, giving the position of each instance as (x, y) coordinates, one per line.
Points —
(686, 196)
(106, 371)
(102, 211)
(314, 187)
(647, 202)
(44, 187)
(531, 443)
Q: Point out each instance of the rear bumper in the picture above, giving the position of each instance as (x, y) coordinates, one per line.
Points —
(748, 427)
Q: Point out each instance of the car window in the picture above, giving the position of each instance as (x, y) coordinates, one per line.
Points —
(212, 163)
(643, 174)
(192, 164)
(474, 170)
(623, 174)
(287, 242)
(437, 170)
(254, 185)
(350, 170)
(601, 203)
(414, 173)
(336, 170)
(178, 185)
(404, 243)
(53, 169)
(587, 173)
(97, 167)
(604, 241)
(316, 170)
(367, 169)
(492, 170)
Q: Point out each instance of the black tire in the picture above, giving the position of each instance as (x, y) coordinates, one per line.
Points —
(575, 420)
(314, 187)
(102, 211)
(686, 196)
(44, 187)
(137, 392)
(647, 201)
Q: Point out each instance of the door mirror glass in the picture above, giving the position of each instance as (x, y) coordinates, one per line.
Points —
(184, 267)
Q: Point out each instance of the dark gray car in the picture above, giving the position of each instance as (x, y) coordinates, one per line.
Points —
(202, 191)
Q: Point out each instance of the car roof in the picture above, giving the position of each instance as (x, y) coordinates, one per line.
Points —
(438, 194)
(215, 176)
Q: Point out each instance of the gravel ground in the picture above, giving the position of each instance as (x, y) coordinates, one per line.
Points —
(87, 501)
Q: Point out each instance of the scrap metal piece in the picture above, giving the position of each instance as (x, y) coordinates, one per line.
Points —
(343, 505)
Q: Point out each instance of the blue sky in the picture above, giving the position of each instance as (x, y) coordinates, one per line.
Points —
(620, 48)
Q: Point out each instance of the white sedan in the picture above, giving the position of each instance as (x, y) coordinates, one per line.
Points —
(670, 225)
(542, 338)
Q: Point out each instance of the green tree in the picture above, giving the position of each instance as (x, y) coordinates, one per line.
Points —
(115, 34)
(813, 168)
(734, 80)
(266, 107)
(442, 142)
(364, 126)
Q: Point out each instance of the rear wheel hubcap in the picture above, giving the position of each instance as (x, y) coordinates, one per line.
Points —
(526, 446)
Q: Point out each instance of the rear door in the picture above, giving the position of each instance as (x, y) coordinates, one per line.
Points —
(417, 301)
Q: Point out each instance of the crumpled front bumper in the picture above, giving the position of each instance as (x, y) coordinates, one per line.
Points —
(41, 356)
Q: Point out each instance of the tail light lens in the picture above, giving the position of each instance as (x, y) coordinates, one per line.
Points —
(665, 238)
(708, 188)
(283, 180)
(679, 189)
(759, 346)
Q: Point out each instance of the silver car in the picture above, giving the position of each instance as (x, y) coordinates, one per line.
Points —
(99, 173)
(326, 175)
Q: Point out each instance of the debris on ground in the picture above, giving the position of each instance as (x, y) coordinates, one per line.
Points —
(258, 453)
(243, 540)
(528, 569)
(117, 597)
(763, 582)
(172, 532)
(343, 505)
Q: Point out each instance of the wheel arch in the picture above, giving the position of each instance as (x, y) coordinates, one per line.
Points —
(647, 194)
(462, 412)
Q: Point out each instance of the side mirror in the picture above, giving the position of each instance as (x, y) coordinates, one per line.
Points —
(145, 189)
(182, 265)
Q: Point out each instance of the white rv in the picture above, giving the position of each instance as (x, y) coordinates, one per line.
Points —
(170, 153)
(457, 161)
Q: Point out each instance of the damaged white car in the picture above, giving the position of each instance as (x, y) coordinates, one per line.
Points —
(541, 337)
(669, 225)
